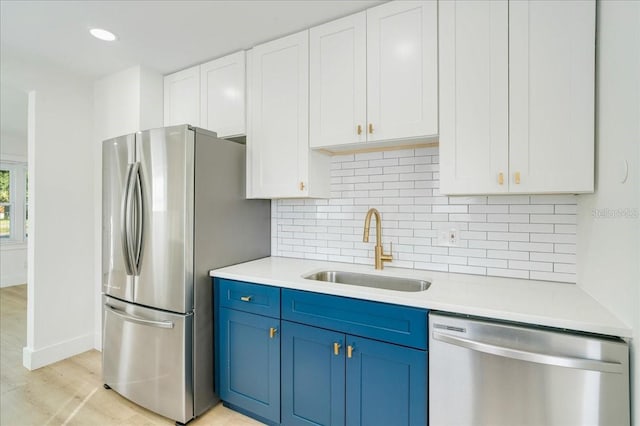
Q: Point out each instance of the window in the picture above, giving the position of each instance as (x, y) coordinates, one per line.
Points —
(13, 202)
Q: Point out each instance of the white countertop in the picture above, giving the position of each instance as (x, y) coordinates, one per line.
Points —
(527, 301)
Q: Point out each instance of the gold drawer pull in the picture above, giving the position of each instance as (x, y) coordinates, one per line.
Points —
(371, 128)
(500, 178)
(246, 298)
(272, 332)
(301, 186)
(349, 351)
(517, 178)
(359, 130)
(336, 348)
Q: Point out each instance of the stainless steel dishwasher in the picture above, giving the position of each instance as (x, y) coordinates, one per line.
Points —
(493, 373)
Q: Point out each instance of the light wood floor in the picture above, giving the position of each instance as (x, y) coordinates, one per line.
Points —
(68, 392)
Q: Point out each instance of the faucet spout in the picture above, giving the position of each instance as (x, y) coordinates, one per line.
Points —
(380, 255)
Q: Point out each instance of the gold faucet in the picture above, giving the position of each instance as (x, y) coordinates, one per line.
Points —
(380, 255)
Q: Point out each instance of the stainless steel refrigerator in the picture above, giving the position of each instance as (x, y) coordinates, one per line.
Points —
(173, 208)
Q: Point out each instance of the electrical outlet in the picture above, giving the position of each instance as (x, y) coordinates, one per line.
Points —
(448, 237)
(452, 236)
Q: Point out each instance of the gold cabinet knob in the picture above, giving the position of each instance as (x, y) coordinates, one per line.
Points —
(301, 186)
(336, 348)
(272, 332)
(500, 178)
(349, 351)
(359, 129)
(516, 177)
(246, 298)
(371, 128)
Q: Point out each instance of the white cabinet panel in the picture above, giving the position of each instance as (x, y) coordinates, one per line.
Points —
(182, 97)
(474, 97)
(402, 70)
(517, 96)
(374, 77)
(279, 136)
(338, 81)
(222, 106)
(552, 66)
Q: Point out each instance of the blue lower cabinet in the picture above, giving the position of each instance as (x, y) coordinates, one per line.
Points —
(250, 363)
(313, 376)
(329, 378)
(386, 384)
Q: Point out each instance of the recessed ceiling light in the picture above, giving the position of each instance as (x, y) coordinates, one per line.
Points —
(101, 34)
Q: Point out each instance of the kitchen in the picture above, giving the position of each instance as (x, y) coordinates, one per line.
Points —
(607, 246)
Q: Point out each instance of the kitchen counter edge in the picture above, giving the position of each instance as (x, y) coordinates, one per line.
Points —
(545, 303)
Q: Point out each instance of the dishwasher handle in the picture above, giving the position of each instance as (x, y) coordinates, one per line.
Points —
(540, 358)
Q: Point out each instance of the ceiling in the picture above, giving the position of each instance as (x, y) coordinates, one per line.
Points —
(164, 35)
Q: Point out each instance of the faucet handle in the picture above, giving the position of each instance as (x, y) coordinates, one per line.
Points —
(390, 248)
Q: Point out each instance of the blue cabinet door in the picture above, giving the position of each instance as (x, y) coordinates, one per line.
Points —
(313, 376)
(250, 362)
(386, 384)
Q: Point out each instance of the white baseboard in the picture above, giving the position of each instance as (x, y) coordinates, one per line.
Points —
(34, 359)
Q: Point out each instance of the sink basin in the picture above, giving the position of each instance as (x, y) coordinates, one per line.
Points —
(373, 281)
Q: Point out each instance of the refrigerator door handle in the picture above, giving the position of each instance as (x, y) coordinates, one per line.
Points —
(139, 218)
(139, 320)
(124, 223)
(129, 219)
(539, 358)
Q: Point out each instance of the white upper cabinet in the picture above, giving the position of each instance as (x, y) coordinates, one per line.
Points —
(182, 97)
(517, 89)
(374, 76)
(402, 70)
(222, 88)
(281, 163)
(338, 81)
(474, 96)
(551, 95)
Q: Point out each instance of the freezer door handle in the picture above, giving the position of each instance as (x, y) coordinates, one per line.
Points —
(139, 320)
(125, 222)
(540, 358)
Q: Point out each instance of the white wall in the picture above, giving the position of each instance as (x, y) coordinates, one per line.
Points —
(608, 221)
(60, 312)
(125, 102)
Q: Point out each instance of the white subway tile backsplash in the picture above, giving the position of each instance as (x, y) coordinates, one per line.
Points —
(531, 266)
(508, 236)
(552, 276)
(522, 236)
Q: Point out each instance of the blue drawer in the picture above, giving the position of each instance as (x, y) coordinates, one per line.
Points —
(381, 321)
(247, 297)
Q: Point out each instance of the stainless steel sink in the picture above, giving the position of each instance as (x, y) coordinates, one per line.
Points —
(373, 281)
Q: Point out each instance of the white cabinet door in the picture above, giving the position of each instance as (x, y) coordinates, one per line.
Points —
(182, 97)
(551, 95)
(402, 70)
(338, 82)
(474, 97)
(282, 165)
(222, 102)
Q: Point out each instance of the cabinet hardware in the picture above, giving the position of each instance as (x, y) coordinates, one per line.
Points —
(272, 332)
(336, 348)
(359, 130)
(349, 351)
(517, 178)
(301, 186)
(246, 298)
(371, 128)
(500, 178)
